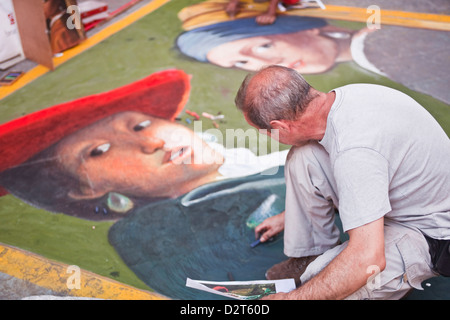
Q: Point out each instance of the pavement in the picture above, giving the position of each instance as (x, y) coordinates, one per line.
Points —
(25, 275)
(113, 5)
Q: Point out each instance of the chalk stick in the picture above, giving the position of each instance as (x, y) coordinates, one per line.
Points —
(255, 243)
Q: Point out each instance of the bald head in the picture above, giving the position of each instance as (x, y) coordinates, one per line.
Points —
(273, 93)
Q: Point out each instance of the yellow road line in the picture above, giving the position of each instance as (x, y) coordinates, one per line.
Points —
(63, 279)
(40, 70)
(388, 17)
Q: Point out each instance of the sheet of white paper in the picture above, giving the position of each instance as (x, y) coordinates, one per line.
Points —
(243, 290)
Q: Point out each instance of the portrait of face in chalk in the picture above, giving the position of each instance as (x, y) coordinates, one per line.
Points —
(108, 150)
(308, 45)
(106, 159)
(135, 154)
(122, 156)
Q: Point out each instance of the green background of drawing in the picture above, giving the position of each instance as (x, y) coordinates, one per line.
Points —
(143, 48)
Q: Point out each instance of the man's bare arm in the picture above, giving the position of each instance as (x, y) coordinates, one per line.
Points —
(349, 270)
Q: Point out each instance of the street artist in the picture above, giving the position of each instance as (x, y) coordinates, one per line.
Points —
(377, 156)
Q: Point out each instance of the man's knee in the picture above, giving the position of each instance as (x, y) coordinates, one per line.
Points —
(308, 171)
(306, 159)
(408, 265)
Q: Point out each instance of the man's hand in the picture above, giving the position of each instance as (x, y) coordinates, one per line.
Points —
(270, 227)
(348, 271)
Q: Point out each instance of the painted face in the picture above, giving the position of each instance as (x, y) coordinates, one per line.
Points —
(305, 51)
(137, 155)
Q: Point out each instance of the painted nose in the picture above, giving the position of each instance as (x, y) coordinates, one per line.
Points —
(151, 145)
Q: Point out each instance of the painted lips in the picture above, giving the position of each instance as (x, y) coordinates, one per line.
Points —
(297, 64)
(177, 154)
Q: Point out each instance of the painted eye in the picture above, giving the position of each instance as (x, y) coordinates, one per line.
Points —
(142, 125)
(263, 48)
(240, 64)
(101, 149)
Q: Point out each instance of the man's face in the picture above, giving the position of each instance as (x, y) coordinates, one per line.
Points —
(285, 132)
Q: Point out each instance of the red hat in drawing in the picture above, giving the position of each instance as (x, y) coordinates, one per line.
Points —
(162, 94)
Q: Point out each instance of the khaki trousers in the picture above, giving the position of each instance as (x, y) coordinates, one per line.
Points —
(310, 229)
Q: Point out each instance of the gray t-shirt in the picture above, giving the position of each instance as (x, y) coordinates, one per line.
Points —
(390, 158)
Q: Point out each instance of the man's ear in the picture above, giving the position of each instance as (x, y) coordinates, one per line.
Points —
(279, 125)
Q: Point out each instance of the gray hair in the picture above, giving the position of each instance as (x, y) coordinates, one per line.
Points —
(277, 93)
